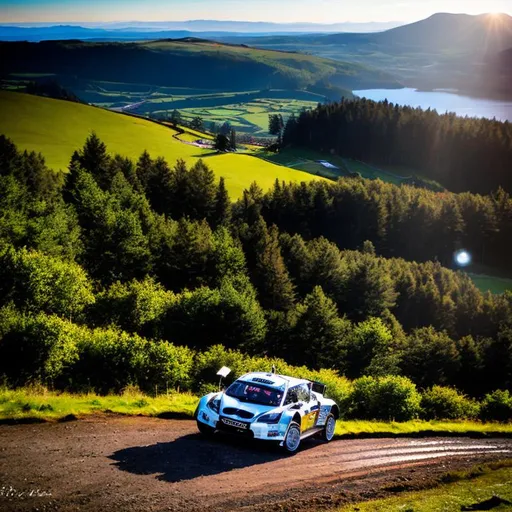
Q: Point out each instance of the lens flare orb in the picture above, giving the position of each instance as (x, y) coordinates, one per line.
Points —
(462, 258)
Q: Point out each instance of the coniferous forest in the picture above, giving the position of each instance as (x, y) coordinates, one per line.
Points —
(463, 154)
(143, 261)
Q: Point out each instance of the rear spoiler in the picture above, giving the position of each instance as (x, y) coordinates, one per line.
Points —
(318, 387)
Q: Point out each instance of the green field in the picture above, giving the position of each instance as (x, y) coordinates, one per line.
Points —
(247, 118)
(308, 161)
(468, 489)
(246, 111)
(57, 128)
(491, 284)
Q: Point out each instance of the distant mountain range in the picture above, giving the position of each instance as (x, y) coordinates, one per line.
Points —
(462, 33)
(443, 51)
(159, 30)
(469, 53)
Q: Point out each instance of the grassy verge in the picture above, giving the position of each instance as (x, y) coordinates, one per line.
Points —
(38, 404)
(346, 429)
(483, 483)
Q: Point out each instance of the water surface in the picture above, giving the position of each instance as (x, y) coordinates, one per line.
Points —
(443, 101)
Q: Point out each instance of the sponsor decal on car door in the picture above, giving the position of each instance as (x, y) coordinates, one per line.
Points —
(309, 419)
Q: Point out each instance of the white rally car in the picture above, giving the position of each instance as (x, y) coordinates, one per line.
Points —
(270, 407)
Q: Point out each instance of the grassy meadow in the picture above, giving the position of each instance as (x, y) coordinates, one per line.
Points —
(492, 284)
(467, 489)
(38, 404)
(308, 160)
(57, 128)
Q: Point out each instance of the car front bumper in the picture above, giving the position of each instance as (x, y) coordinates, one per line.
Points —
(255, 430)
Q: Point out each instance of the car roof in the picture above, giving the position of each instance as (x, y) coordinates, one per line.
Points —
(272, 379)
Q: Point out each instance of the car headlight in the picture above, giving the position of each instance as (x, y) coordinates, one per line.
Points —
(214, 404)
(271, 417)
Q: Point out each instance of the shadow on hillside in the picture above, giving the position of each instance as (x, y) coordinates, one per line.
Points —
(207, 155)
(192, 456)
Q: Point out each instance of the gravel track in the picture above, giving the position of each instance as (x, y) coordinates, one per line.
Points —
(135, 463)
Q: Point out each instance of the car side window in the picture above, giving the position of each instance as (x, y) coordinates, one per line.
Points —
(303, 393)
(297, 394)
(292, 397)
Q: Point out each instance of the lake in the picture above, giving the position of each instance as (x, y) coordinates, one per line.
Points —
(443, 101)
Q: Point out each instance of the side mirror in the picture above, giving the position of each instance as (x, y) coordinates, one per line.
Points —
(297, 406)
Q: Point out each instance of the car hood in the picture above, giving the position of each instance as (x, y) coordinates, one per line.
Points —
(247, 411)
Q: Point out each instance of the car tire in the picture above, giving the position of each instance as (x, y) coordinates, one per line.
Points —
(329, 429)
(206, 430)
(291, 442)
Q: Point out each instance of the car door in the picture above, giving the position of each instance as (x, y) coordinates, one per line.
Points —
(310, 408)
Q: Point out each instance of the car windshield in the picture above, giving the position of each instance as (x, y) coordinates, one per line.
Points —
(255, 393)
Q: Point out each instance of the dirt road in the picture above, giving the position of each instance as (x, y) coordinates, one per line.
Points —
(131, 464)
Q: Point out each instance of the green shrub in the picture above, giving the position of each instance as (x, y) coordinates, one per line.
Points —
(442, 403)
(110, 360)
(165, 366)
(38, 349)
(207, 317)
(208, 363)
(390, 398)
(40, 283)
(497, 406)
(135, 306)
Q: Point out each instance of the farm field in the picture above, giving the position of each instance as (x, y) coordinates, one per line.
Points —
(309, 161)
(492, 284)
(246, 111)
(57, 128)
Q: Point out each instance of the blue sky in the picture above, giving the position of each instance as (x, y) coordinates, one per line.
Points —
(319, 11)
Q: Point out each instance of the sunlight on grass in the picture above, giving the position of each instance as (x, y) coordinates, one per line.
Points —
(30, 122)
(495, 481)
(39, 404)
(348, 428)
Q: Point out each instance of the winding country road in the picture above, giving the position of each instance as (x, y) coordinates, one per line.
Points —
(134, 463)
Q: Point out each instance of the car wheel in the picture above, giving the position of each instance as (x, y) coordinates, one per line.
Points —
(206, 430)
(292, 439)
(330, 427)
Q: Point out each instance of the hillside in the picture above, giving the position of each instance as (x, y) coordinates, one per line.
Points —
(184, 63)
(500, 72)
(458, 33)
(57, 128)
(445, 50)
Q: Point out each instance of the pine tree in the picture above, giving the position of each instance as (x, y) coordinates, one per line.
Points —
(95, 159)
(222, 143)
(318, 335)
(144, 169)
(232, 140)
(221, 215)
(201, 204)
(71, 178)
(270, 275)
(175, 117)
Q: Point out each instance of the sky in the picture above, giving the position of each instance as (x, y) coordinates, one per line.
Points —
(281, 11)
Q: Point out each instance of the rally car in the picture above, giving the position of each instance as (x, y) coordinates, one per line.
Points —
(269, 407)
